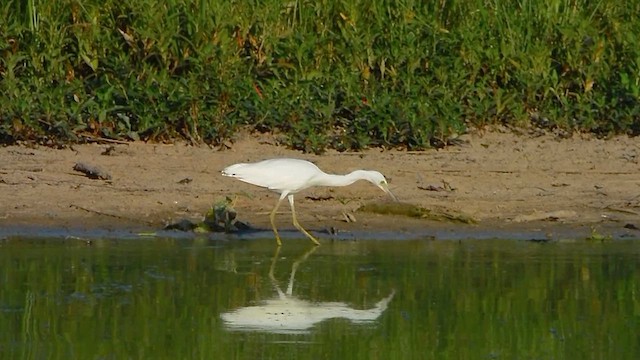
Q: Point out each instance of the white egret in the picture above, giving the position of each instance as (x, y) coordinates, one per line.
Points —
(289, 176)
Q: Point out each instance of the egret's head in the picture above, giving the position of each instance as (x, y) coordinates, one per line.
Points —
(378, 180)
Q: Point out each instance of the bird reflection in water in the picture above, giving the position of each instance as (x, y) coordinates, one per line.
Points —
(287, 314)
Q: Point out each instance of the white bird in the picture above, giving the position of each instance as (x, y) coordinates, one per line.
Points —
(289, 176)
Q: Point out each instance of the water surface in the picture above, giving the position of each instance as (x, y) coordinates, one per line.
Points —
(179, 298)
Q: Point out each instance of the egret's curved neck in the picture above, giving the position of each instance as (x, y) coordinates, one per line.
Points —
(340, 180)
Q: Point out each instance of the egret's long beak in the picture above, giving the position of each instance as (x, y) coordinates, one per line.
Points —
(385, 188)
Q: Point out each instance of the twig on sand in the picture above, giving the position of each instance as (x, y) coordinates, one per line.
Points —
(104, 213)
(98, 139)
(96, 211)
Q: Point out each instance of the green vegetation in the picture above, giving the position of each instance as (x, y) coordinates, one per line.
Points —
(346, 74)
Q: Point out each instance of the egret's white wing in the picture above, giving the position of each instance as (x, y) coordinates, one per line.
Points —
(281, 175)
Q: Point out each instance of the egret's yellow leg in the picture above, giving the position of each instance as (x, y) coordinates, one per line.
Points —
(297, 224)
(272, 217)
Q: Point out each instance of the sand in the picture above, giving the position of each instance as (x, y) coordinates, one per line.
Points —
(508, 183)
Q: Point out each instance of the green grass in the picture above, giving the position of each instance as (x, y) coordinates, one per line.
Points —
(342, 74)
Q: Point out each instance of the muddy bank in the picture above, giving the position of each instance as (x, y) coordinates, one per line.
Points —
(506, 182)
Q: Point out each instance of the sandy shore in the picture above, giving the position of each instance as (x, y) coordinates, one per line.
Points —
(506, 182)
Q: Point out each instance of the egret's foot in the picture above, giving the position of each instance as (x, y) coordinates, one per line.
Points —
(315, 241)
(278, 241)
(306, 233)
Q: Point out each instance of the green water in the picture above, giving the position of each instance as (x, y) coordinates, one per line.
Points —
(190, 299)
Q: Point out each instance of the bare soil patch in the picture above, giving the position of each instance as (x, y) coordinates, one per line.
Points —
(501, 179)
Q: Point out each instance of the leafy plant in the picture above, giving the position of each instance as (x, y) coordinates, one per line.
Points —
(332, 73)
